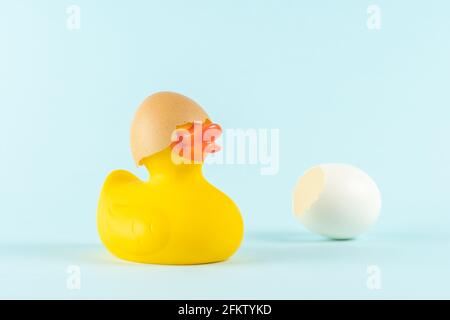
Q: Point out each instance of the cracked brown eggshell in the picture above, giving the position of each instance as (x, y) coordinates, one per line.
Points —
(156, 119)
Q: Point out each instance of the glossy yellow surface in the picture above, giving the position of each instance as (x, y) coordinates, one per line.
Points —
(177, 217)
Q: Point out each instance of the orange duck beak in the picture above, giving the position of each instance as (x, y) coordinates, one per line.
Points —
(195, 140)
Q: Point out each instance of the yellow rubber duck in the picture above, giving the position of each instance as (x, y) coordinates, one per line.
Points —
(177, 216)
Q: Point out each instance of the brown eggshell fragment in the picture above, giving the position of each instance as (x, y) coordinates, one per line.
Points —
(155, 120)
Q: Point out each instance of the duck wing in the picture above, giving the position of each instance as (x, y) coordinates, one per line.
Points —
(128, 218)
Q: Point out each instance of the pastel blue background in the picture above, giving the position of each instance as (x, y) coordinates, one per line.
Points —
(337, 91)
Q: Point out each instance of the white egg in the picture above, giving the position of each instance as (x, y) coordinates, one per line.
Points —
(338, 201)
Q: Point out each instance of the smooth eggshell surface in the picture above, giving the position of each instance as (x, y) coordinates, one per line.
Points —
(338, 201)
(156, 119)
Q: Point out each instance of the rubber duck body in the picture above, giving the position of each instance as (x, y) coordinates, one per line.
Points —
(177, 216)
